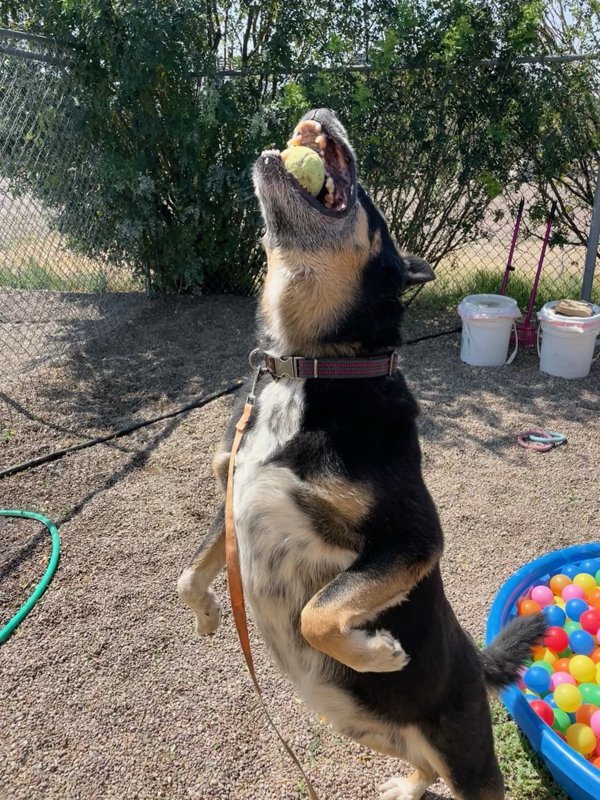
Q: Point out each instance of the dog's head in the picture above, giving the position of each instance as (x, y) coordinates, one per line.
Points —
(335, 276)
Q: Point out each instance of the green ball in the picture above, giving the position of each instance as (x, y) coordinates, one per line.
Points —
(306, 166)
(571, 626)
(562, 720)
(590, 693)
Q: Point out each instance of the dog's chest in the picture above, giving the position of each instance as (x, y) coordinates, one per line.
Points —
(284, 561)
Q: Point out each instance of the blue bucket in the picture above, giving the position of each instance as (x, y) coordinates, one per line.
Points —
(579, 779)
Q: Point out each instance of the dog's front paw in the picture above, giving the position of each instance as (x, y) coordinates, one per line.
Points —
(401, 789)
(382, 653)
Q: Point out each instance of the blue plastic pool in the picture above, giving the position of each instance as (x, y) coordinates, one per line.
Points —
(579, 779)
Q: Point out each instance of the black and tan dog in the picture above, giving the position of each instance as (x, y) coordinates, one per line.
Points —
(339, 539)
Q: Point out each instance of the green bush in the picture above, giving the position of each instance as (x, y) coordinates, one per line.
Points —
(165, 142)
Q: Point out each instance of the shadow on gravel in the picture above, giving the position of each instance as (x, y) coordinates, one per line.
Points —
(128, 357)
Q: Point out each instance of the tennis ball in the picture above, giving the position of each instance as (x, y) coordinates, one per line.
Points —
(306, 166)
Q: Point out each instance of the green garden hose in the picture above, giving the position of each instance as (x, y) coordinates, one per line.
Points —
(6, 631)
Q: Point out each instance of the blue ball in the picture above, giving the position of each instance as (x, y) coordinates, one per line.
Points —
(575, 608)
(537, 679)
(582, 643)
(590, 567)
(555, 616)
(551, 701)
(570, 570)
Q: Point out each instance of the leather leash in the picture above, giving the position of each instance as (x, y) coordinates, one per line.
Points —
(234, 580)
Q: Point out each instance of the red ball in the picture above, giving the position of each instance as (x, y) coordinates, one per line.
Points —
(556, 639)
(543, 710)
(590, 621)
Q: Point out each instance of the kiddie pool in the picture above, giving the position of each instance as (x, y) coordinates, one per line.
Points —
(578, 778)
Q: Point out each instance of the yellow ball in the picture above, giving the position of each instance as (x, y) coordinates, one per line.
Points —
(583, 669)
(306, 166)
(581, 738)
(558, 601)
(585, 581)
(598, 674)
(568, 697)
(549, 656)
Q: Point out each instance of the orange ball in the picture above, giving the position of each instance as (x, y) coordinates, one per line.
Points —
(538, 653)
(596, 762)
(593, 599)
(529, 607)
(562, 665)
(558, 583)
(585, 712)
(595, 656)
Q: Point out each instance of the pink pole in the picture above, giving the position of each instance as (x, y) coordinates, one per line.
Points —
(541, 261)
(509, 267)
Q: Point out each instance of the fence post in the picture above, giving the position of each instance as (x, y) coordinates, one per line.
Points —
(592, 246)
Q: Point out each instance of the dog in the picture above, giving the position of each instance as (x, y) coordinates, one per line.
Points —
(339, 539)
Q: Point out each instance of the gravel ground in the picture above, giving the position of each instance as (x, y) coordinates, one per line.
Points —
(104, 691)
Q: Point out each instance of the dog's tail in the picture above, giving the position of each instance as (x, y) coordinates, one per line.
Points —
(506, 654)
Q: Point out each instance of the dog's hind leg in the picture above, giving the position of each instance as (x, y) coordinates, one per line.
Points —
(194, 582)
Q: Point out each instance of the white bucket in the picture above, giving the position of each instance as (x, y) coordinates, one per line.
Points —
(567, 342)
(487, 322)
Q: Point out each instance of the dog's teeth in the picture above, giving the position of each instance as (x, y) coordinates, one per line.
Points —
(328, 200)
(329, 184)
(321, 141)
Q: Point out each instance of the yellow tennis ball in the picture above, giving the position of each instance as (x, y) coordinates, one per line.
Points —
(306, 166)
(581, 738)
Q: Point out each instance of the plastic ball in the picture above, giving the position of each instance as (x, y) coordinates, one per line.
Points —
(590, 693)
(559, 678)
(571, 626)
(555, 616)
(572, 592)
(538, 680)
(543, 710)
(582, 669)
(582, 643)
(568, 698)
(597, 576)
(595, 722)
(543, 665)
(590, 566)
(587, 582)
(558, 583)
(556, 639)
(575, 608)
(544, 596)
(562, 720)
(585, 712)
(595, 656)
(562, 665)
(598, 674)
(560, 603)
(528, 607)
(590, 620)
(593, 599)
(570, 570)
(596, 762)
(581, 738)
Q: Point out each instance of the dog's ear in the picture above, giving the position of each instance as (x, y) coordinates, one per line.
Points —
(417, 270)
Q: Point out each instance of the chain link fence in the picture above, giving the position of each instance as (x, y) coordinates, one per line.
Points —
(47, 284)
(55, 298)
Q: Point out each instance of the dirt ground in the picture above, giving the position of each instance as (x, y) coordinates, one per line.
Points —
(104, 690)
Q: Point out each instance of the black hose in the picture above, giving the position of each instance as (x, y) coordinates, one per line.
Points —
(56, 454)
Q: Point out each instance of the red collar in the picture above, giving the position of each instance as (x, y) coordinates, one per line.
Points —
(299, 368)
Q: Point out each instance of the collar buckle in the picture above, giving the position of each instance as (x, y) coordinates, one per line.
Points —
(286, 366)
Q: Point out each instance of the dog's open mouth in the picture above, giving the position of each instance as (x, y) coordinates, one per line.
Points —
(337, 192)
